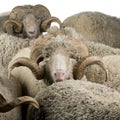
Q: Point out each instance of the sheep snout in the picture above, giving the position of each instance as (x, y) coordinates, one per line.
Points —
(32, 34)
(59, 75)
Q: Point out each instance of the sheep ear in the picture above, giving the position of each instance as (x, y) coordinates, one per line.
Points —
(46, 24)
(18, 101)
(10, 26)
(24, 61)
(80, 67)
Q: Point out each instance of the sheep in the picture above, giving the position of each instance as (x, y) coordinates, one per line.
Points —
(76, 100)
(60, 60)
(28, 21)
(97, 27)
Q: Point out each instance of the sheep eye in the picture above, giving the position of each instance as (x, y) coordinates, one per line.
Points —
(72, 56)
(40, 59)
(47, 56)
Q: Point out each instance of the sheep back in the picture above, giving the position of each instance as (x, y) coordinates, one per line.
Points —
(77, 100)
(97, 27)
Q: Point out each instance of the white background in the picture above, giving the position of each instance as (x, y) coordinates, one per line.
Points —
(65, 8)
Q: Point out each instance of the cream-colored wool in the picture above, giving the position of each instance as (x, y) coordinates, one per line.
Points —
(76, 100)
(97, 27)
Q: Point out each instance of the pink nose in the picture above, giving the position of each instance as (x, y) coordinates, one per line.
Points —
(31, 32)
(59, 75)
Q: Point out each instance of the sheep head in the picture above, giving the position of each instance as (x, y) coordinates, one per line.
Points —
(62, 65)
(29, 21)
(7, 106)
(58, 66)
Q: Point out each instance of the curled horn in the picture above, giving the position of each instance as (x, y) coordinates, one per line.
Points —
(46, 24)
(15, 25)
(5, 107)
(80, 67)
(23, 61)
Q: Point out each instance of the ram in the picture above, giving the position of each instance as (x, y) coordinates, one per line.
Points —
(53, 58)
(97, 27)
(28, 21)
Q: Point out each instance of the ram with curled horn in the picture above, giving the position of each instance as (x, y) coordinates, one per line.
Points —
(58, 58)
(29, 21)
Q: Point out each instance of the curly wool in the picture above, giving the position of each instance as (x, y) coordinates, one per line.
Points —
(76, 100)
(9, 46)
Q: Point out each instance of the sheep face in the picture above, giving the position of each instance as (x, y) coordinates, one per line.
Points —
(31, 26)
(59, 67)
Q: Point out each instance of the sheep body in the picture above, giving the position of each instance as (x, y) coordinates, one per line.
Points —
(76, 100)
(97, 27)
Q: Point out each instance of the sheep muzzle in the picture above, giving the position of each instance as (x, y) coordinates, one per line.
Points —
(59, 75)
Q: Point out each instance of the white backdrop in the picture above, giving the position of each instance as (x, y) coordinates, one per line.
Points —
(65, 8)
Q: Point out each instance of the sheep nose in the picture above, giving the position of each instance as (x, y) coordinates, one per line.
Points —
(59, 75)
(31, 32)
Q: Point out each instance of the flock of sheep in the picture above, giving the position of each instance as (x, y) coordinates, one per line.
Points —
(71, 72)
